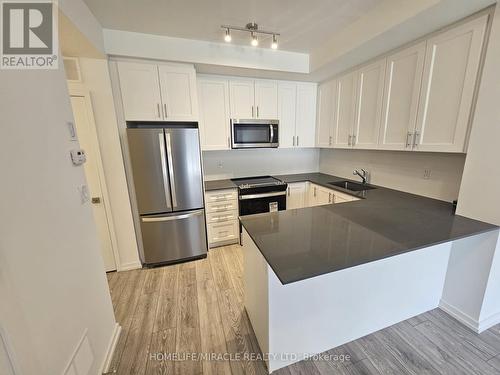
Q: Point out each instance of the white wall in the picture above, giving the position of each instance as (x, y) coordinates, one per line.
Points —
(95, 77)
(52, 280)
(472, 286)
(399, 170)
(258, 162)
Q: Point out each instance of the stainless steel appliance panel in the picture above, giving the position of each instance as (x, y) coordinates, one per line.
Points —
(254, 133)
(184, 166)
(150, 170)
(173, 237)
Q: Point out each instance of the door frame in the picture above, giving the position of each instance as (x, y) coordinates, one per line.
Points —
(79, 90)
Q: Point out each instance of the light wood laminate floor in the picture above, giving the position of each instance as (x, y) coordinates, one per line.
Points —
(197, 307)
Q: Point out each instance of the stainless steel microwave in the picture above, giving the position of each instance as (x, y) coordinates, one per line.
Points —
(254, 133)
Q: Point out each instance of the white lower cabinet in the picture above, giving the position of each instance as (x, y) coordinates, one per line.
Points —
(319, 195)
(296, 195)
(222, 217)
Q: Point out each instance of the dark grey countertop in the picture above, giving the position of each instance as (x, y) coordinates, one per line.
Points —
(219, 185)
(303, 243)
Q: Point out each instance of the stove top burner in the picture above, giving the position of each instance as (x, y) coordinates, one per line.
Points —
(253, 182)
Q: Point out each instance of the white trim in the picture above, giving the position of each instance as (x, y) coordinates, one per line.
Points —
(489, 322)
(111, 349)
(130, 266)
(462, 317)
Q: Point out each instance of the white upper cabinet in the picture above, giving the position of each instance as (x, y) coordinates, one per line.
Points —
(370, 91)
(242, 94)
(213, 96)
(266, 99)
(403, 78)
(140, 89)
(158, 93)
(451, 66)
(297, 114)
(305, 129)
(345, 110)
(178, 92)
(287, 99)
(325, 113)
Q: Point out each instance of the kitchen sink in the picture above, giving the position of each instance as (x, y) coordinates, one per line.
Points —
(353, 186)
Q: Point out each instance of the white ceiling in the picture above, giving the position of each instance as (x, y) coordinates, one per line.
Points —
(303, 24)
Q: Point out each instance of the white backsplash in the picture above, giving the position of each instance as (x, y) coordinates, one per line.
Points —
(258, 162)
(400, 170)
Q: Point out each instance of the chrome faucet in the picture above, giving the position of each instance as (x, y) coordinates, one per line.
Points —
(363, 175)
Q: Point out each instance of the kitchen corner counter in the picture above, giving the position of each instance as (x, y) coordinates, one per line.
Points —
(303, 243)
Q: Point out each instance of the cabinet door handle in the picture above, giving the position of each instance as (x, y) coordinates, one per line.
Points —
(329, 197)
(293, 140)
(314, 191)
(252, 111)
(408, 137)
(297, 140)
(288, 191)
(349, 140)
(416, 139)
(158, 108)
(257, 111)
(353, 140)
(329, 140)
(165, 109)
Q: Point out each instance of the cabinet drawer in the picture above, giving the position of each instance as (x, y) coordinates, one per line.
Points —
(221, 232)
(218, 217)
(221, 195)
(222, 206)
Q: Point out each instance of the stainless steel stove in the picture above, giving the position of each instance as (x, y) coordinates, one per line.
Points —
(260, 194)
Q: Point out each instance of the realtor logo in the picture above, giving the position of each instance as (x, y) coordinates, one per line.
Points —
(29, 35)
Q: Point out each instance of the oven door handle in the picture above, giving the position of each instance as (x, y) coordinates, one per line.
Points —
(262, 195)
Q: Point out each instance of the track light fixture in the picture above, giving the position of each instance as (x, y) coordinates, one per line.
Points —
(253, 29)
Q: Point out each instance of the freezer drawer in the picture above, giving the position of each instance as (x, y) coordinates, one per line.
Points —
(173, 237)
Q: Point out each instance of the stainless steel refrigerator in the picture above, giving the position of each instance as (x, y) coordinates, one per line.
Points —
(166, 167)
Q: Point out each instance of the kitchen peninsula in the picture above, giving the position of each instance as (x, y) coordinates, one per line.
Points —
(319, 277)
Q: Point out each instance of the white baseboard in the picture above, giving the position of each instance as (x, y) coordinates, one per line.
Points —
(489, 322)
(130, 266)
(475, 325)
(111, 349)
(459, 315)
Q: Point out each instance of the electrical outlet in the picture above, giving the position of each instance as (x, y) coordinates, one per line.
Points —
(427, 174)
(220, 165)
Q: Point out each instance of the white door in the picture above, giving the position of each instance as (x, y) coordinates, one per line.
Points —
(87, 137)
(178, 92)
(450, 71)
(287, 99)
(140, 89)
(241, 96)
(326, 113)
(370, 93)
(296, 195)
(213, 96)
(345, 110)
(305, 128)
(402, 88)
(266, 99)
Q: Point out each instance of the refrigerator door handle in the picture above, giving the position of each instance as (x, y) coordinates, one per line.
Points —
(170, 218)
(171, 170)
(164, 168)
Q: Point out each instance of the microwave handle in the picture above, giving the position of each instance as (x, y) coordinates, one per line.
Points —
(271, 128)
